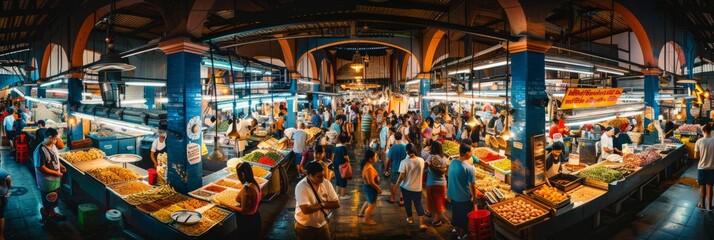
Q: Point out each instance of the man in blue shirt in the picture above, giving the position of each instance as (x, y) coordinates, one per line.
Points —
(396, 154)
(337, 125)
(316, 119)
(462, 189)
(383, 137)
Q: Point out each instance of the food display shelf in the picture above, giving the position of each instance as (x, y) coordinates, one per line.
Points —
(525, 224)
(572, 181)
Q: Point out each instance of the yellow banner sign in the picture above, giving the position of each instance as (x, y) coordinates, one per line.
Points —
(590, 97)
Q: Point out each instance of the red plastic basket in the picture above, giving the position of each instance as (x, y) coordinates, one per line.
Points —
(480, 226)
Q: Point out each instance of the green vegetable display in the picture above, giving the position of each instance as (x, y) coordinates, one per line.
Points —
(451, 148)
(256, 155)
(601, 173)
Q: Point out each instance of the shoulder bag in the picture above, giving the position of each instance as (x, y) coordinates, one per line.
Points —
(317, 196)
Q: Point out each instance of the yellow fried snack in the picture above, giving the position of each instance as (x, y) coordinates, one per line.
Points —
(215, 214)
(227, 197)
(197, 229)
(82, 156)
(112, 174)
(131, 187)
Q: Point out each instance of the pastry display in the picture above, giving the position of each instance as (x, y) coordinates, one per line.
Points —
(112, 174)
(82, 156)
(130, 187)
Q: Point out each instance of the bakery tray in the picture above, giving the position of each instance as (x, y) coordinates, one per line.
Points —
(492, 163)
(575, 181)
(110, 187)
(522, 225)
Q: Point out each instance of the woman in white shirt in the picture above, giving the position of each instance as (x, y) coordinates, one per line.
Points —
(410, 182)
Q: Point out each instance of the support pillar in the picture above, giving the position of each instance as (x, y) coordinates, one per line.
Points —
(292, 104)
(183, 89)
(315, 96)
(74, 100)
(527, 87)
(651, 94)
(424, 88)
(688, 111)
(150, 96)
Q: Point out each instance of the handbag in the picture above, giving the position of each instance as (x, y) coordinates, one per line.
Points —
(346, 170)
(317, 196)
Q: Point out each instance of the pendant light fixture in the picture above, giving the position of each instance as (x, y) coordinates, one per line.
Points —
(357, 62)
(472, 120)
(216, 154)
(111, 60)
(506, 133)
(233, 134)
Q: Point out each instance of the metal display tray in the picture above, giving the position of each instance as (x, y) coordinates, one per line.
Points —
(522, 225)
(109, 187)
(215, 223)
(575, 181)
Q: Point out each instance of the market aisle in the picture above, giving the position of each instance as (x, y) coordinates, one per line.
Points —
(345, 224)
(22, 215)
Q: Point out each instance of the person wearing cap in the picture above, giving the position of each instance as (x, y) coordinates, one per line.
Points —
(554, 160)
(158, 146)
(314, 198)
(606, 143)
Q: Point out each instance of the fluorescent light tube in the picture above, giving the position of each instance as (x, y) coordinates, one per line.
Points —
(569, 63)
(146, 84)
(221, 65)
(13, 52)
(490, 65)
(133, 101)
(567, 70)
(50, 83)
(412, 82)
(609, 71)
(140, 52)
(14, 89)
(460, 71)
(90, 82)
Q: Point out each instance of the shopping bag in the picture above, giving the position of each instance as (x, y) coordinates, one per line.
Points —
(346, 170)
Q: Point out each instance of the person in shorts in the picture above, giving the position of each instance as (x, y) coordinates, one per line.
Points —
(704, 150)
(462, 189)
(5, 185)
(49, 175)
(396, 154)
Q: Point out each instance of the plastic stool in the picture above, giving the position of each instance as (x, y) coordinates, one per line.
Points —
(22, 152)
(87, 216)
(115, 220)
(480, 226)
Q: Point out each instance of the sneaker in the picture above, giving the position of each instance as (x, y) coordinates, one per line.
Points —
(345, 197)
(410, 221)
(463, 237)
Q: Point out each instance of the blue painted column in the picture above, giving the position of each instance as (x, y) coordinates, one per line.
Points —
(150, 96)
(527, 86)
(688, 111)
(315, 96)
(183, 89)
(424, 88)
(74, 100)
(292, 110)
(651, 95)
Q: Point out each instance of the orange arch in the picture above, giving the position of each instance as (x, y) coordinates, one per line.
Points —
(46, 60)
(680, 52)
(637, 29)
(86, 28)
(313, 65)
(431, 43)
(516, 16)
(288, 53)
(354, 41)
(199, 12)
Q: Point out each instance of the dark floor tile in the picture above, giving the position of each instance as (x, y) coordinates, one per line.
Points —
(660, 235)
(672, 228)
(693, 231)
(679, 219)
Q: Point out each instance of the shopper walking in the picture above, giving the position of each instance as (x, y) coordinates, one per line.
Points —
(436, 182)
(396, 154)
(370, 188)
(5, 185)
(450, 130)
(9, 127)
(299, 139)
(366, 124)
(704, 149)
(410, 183)
(247, 215)
(462, 189)
(341, 156)
(49, 173)
(383, 137)
(314, 198)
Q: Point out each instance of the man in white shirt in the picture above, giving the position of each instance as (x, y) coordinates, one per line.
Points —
(606, 143)
(704, 150)
(326, 119)
(314, 198)
(299, 138)
(8, 126)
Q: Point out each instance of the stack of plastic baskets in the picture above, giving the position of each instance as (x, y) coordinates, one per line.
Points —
(480, 226)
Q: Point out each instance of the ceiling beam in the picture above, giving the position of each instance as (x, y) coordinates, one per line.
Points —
(289, 20)
(24, 12)
(409, 5)
(127, 12)
(152, 24)
(20, 29)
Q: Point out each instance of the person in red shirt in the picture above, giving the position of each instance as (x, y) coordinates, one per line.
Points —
(557, 126)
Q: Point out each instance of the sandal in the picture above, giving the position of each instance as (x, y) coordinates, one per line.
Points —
(391, 201)
(401, 202)
(436, 224)
(701, 206)
(360, 215)
(427, 214)
(372, 223)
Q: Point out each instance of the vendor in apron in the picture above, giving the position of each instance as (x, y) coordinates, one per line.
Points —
(245, 127)
(555, 160)
(158, 147)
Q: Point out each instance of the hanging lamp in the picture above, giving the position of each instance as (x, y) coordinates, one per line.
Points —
(216, 154)
(506, 133)
(357, 63)
(233, 134)
(111, 60)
